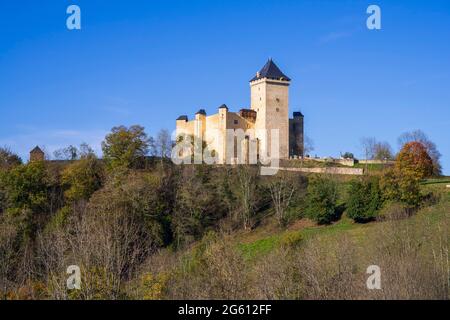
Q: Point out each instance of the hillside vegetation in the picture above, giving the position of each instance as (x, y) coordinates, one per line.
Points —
(144, 228)
(310, 261)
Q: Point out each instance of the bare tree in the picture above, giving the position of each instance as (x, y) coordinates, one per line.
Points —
(368, 145)
(282, 187)
(383, 151)
(163, 143)
(85, 150)
(69, 153)
(52, 255)
(8, 158)
(246, 192)
(308, 146)
(8, 256)
(47, 154)
(153, 151)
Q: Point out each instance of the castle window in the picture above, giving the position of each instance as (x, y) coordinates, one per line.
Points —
(236, 122)
(278, 109)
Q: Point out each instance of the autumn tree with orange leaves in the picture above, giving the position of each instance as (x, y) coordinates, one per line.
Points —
(414, 160)
(402, 183)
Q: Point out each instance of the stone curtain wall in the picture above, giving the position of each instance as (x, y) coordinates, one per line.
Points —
(344, 162)
(390, 162)
(328, 170)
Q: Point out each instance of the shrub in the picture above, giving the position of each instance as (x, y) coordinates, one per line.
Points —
(27, 187)
(364, 200)
(393, 211)
(322, 199)
(218, 271)
(139, 199)
(8, 159)
(409, 185)
(153, 286)
(348, 155)
(82, 178)
(291, 239)
(401, 187)
(198, 205)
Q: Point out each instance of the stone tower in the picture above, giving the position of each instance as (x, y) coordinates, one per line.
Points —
(296, 137)
(37, 155)
(270, 99)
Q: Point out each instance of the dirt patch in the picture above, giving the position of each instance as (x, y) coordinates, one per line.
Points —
(301, 224)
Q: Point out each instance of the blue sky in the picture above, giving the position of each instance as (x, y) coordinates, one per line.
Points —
(147, 62)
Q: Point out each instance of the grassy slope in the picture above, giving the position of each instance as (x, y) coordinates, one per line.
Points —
(267, 237)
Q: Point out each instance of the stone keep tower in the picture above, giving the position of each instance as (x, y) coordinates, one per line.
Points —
(37, 155)
(296, 136)
(270, 99)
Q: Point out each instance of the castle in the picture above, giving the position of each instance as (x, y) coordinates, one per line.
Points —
(268, 113)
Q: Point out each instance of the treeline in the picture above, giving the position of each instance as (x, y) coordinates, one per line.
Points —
(111, 216)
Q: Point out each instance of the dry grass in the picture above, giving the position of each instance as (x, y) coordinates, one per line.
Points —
(329, 263)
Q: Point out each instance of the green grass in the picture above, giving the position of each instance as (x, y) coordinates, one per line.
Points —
(438, 186)
(436, 181)
(259, 247)
(342, 225)
(268, 242)
(263, 240)
(310, 163)
(265, 245)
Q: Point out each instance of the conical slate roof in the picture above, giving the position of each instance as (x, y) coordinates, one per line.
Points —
(270, 71)
(36, 149)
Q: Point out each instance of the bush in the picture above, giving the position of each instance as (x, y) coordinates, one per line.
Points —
(198, 205)
(348, 155)
(322, 199)
(27, 188)
(410, 190)
(139, 197)
(394, 211)
(8, 159)
(291, 239)
(153, 286)
(401, 187)
(364, 200)
(216, 270)
(82, 178)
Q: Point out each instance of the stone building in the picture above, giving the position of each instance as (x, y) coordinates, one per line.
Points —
(269, 110)
(37, 154)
